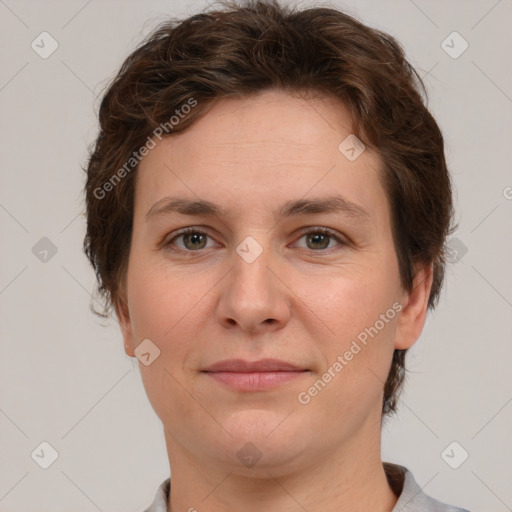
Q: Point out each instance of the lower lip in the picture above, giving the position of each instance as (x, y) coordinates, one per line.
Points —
(257, 381)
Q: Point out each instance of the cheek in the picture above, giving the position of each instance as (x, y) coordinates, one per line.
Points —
(157, 298)
(161, 309)
(170, 309)
(361, 314)
(356, 356)
(354, 302)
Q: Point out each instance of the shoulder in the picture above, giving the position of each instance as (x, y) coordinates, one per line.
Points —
(161, 499)
(411, 496)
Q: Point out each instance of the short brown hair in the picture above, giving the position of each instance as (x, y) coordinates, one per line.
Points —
(243, 48)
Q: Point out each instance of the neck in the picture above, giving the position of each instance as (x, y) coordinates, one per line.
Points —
(350, 478)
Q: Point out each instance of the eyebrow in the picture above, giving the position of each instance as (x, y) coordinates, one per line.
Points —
(201, 207)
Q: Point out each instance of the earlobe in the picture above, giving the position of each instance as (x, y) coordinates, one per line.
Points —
(414, 309)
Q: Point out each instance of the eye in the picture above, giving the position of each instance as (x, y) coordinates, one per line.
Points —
(319, 239)
(193, 239)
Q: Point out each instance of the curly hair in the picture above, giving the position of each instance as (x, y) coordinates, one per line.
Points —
(242, 48)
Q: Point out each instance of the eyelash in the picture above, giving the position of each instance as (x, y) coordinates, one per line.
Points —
(199, 231)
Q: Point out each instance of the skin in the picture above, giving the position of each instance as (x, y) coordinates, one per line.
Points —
(302, 301)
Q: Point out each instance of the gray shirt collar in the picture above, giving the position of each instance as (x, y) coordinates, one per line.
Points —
(411, 497)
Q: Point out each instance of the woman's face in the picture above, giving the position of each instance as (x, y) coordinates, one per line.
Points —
(260, 280)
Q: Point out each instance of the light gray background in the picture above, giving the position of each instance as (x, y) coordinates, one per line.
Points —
(65, 378)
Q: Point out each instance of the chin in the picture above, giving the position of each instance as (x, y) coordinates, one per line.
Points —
(261, 441)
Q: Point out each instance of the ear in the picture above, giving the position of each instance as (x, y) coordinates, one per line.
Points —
(123, 315)
(414, 309)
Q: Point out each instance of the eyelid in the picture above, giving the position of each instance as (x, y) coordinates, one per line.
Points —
(341, 239)
(166, 242)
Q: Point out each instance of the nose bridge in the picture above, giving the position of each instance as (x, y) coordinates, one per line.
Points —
(253, 297)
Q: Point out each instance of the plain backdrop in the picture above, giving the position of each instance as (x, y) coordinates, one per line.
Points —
(64, 377)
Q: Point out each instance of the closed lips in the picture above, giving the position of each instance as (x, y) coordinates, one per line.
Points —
(262, 365)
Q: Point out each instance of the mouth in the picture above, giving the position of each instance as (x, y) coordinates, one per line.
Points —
(243, 375)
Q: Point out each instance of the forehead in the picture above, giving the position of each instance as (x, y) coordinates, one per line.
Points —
(264, 149)
(276, 120)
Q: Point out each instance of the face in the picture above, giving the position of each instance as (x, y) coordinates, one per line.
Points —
(297, 264)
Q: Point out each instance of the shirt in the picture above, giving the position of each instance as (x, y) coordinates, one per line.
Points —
(411, 497)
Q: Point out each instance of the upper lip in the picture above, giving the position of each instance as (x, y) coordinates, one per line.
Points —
(262, 365)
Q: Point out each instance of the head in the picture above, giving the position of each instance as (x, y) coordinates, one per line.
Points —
(249, 107)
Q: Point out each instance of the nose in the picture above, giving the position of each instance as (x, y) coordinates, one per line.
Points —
(253, 296)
